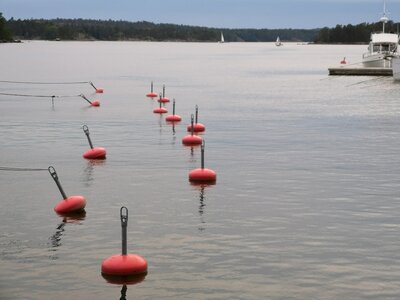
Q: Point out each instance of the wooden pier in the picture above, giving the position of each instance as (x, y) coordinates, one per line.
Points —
(360, 71)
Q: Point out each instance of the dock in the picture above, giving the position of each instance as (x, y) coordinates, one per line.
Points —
(360, 71)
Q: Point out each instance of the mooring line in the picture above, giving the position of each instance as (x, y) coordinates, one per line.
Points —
(21, 169)
(38, 82)
(40, 96)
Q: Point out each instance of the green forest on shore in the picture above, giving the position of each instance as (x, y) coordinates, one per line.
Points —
(110, 30)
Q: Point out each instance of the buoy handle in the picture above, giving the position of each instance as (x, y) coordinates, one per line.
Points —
(202, 153)
(163, 90)
(53, 174)
(151, 86)
(124, 225)
(191, 122)
(83, 96)
(197, 113)
(86, 131)
(173, 107)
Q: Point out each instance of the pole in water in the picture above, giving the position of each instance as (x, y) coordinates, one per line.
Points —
(198, 127)
(123, 264)
(151, 89)
(192, 139)
(86, 131)
(68, 204)
(173, 117)
(202, 175)
(53, 174)
(93, 152)
(94, 103)
(98, 90)
(163, 91)
(124, 225)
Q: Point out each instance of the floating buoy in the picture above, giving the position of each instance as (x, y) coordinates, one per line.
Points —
(92, 103)
(124, 264)
(197, 127)
(68, 204)
(151, 94)
(163, 99)
(343, 61)
(191, 139)
(173, 117)
(93, 153)
(202, 175)
(98, 90)
(160, 110)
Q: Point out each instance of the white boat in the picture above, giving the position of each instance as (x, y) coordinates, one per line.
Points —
(382, 47)
(222, 38)
(278, 42)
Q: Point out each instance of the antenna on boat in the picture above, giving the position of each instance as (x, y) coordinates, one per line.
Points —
(384, 19)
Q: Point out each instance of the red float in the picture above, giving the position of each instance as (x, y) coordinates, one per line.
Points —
(197, 127)
(124, 264)
(160, 110)
(163, 99)
(202, 175)
(173, 117)
(99, 91)
(343, 62)
(191, 139)
(70, 204)
(95, 103)
(93, 153)
(151, 94)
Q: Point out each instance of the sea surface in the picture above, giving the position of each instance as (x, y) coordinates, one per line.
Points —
(306, 203)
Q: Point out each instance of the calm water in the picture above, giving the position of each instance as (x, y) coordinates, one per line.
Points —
(306, 204)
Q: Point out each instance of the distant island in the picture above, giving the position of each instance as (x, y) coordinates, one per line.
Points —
(110, 30)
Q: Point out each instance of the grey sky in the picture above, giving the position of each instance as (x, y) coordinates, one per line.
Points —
(210, 13)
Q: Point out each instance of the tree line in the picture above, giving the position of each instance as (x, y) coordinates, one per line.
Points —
(352, 34)
(110, 30)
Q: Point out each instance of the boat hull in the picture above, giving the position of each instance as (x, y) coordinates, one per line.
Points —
(396, 68)
(377, 61)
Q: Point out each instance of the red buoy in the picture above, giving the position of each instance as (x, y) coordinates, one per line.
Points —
(343, 61)
(192, 139)
(160, 110)
(197, 127)
(98, 90)
(173, 117)
(151, 94)
(92, 103)
(202, 175)
(93, 153)
(163, 99)
(124, 264)
(68, 204)
(95, 103)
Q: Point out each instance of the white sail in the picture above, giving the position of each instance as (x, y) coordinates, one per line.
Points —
(278, 42)
(222, 38)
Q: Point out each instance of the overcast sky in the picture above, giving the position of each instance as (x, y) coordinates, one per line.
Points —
(211, 13)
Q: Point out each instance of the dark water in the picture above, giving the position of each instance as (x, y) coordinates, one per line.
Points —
(306, 204)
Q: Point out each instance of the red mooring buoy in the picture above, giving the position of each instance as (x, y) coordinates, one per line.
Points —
(92, 103)
(163, 99)
(202, 175)
(68, 204)
(343, 61)
(93, 153)
(197, 127)
(192, 139)
(173, 117)
(160, 110)
(124, 264)
(98, 90)
(151, 94)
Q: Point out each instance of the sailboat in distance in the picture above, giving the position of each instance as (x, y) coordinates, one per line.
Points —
(278, 42)
(222, 38)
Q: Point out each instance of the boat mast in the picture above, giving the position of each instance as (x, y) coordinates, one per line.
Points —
(384, 18)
